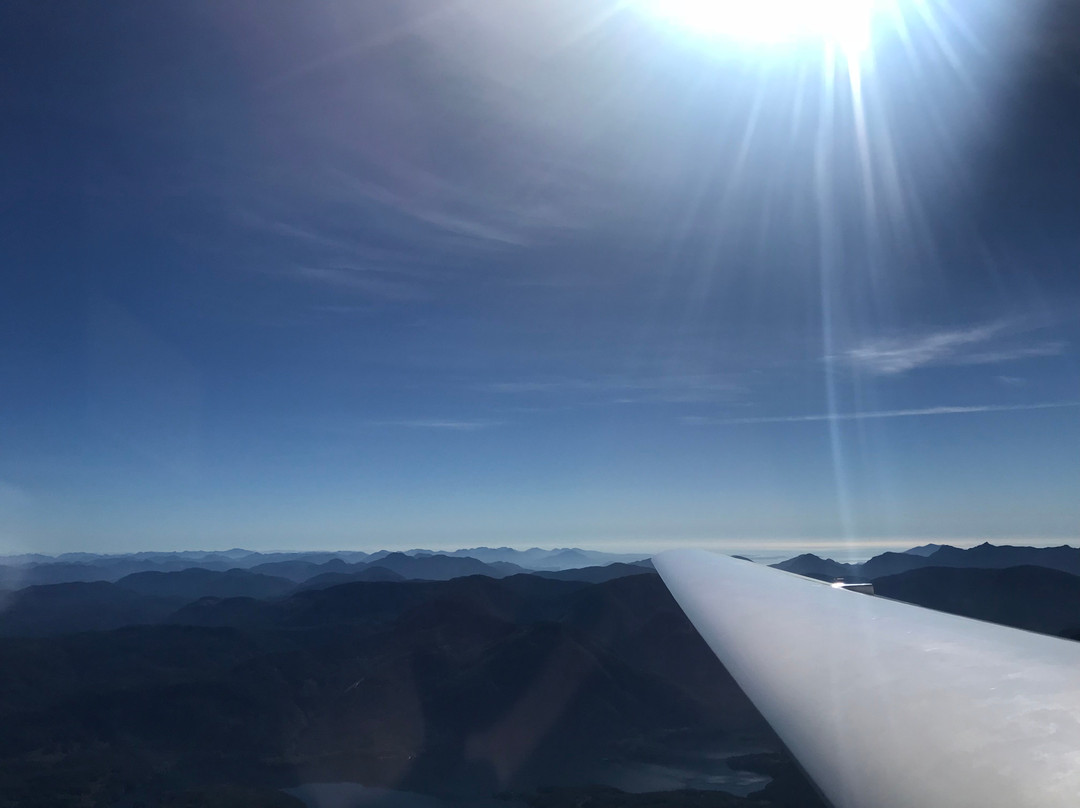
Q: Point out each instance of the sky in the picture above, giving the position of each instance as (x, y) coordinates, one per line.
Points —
(447, 273)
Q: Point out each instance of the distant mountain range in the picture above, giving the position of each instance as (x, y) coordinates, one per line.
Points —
(34, 569)
(184, 678)
(144, 598)
(984, 556)
(1033, 588)
(469, 686)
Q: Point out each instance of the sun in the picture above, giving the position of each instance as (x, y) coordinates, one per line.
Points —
(842, 23)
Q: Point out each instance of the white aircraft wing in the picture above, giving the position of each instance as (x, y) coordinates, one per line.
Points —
(888, 705)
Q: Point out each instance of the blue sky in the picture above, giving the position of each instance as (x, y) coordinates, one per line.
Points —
(452, 273)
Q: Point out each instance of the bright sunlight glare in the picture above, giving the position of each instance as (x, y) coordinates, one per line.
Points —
(843, 23)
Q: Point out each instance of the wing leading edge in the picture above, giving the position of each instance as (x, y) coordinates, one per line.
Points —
(888, 705)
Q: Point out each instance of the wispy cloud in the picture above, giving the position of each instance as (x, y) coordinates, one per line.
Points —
(1049, 348)
(986, 344)
(869, 414)
(322, 255)
(447, 424)
(453, 213)
(676, 388)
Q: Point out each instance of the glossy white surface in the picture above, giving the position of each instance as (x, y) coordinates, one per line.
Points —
(888, 705)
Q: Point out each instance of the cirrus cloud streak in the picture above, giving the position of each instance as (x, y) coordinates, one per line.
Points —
(695, 420)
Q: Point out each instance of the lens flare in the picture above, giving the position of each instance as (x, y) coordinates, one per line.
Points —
(842, 23)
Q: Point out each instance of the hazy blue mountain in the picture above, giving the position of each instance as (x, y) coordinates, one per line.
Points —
(925, 549)
(55, 572)
(362, 603)
(299, 569)
(192, 584)
(137, 599)
(79, 606)
(524, 558)
(597, 575)
(826, 569)
(21, 559)
(997, 556)
(813, 566)
(310, 556)
(893, 563)
(81, 558)
(30, 571)
(105, 568)
(439, 567)
(565, 559)
(365, 573)
(536, 558)
(36, 569)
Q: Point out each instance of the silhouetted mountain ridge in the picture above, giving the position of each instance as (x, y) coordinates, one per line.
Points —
(1033, 598)
(984, 556)
(194, 583)
(598, 575)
